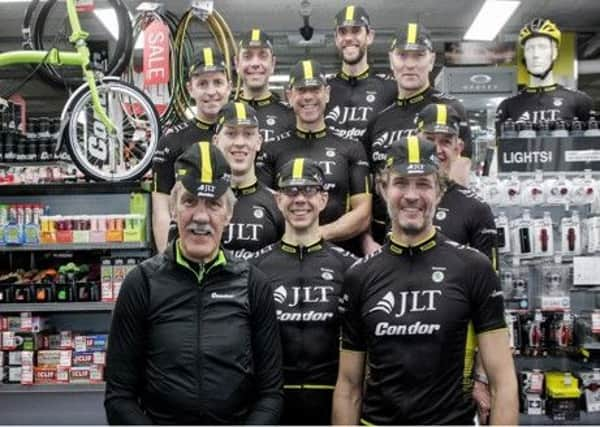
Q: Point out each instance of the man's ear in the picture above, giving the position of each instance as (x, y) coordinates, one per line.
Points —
(324, 200)
(278, 200)
(370, 36)
(554, 51)
(432, 62)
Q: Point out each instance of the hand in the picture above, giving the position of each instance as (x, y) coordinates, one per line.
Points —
(481, 395)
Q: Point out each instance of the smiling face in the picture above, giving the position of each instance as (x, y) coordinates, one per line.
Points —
(239, 144)
(210, 91)
(352, 43)
(309, 103)
(411, 203)
(411, 68)
(255, 65)
(301, 206)
(200, 222)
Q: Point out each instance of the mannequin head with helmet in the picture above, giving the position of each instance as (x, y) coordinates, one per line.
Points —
(540, 40)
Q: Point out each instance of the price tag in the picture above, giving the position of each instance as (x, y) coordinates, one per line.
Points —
(26, 322)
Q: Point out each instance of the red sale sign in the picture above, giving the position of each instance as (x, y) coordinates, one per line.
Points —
(156, 54)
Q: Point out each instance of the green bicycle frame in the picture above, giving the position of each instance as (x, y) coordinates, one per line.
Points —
(55, 57)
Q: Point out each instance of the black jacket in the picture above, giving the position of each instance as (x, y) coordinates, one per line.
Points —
(194, 345)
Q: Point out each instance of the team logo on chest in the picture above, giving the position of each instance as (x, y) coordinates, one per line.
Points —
(330, 152)
(370, 97)
(258, 213)
(437, 276)
(441, 215)
(557, 102)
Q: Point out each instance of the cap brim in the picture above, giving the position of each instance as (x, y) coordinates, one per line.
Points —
(308, 83)
(353, 23)
(436, 128)
(245, 44)
(414, 169)
(202, 69)
(299, 182)
(241, 122)
(212, 190)
(411, 47)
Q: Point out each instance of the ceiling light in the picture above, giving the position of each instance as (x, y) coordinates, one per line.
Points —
(490, 19)
(108, 17)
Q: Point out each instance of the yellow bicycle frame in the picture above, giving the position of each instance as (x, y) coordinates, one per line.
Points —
(58, 58)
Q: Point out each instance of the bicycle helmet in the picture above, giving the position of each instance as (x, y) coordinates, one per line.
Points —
(540, 27)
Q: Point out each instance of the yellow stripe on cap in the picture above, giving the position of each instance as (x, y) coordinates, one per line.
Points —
(442, 114)
(206, 170)
(255, 35)
(411, 36)
(240, 111)
(208, 57)
(308, 70)
(414, 152)
(349, 13)
(298, 168)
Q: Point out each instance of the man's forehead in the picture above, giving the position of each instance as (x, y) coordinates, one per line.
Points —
(209, 75)
(254, 50)
(537, 41)
(241, 126)
(434, 136)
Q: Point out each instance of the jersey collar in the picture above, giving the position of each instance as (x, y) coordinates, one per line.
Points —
(413, 99)
(259, 102)
(200, 124)
(300, 250)
(423, 246)
(245, 191)
(541, 89)
(198, 269)
(321, 133)
(365, 74)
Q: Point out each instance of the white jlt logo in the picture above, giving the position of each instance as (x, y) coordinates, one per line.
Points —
(242, 232)
(309, 294)
(414, 301)
(354, 114)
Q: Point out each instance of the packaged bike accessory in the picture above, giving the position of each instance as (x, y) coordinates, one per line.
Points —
(554, 292)
(511, 192)
(533, 191)
(493, 194)
(532, 387)
(514, 281)
(522, 235)
(561, 331)
(571, 241)
(558, 191)
(534, 333)
(584, 190)
(562, 392)
(543, 236)
(590, 381)
(502, 233)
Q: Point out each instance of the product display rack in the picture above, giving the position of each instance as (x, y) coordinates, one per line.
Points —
(523, 193)
(67, 403)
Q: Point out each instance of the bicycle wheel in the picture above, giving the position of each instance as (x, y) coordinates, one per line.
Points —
(51, 29)
(124, 156)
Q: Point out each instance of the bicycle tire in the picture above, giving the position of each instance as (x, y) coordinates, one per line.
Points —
(118, 61)
(85, 147)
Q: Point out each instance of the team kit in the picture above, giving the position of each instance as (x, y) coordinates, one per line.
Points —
(324, 260)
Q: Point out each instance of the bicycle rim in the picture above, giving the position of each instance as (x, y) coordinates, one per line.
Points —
(127, 154)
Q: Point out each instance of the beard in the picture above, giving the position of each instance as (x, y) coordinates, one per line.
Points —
(353, 61)
(411, 229)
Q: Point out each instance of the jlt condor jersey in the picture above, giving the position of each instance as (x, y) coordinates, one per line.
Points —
(545, 103)
(307, 284)
(275, 119)
(398, 120)
(256, 221)
(413, 310)
(343, 162)
(354, 101)
(465, 218)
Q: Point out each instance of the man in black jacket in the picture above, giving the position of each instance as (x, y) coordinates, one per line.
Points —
(194, 338)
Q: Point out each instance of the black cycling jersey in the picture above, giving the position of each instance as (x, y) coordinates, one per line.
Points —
(256, 221)
(547, 103)
(343, 161)
(398, 120)
(465, 218)
(171, 145)
(413, 310)
(275, 118)
(307, 284)
(354, 100)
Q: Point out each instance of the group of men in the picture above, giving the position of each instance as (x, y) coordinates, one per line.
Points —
(260, 215)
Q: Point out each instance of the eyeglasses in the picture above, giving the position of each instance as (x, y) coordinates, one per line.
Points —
(306, 191)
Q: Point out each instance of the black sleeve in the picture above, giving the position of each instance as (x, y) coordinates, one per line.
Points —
(487, 302)
(483, 233)
(359, 170)
(465, 129)
(366, 140)
(584, 107)
(125, 353)
(265, 166)
(266, 348)
(501, 117)
(352, 329)
(163, 165)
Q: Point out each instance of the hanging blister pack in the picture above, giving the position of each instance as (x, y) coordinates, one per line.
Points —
(533, 191)
(503, 233)
(558, 191)
(522, 236)
(515, 286)
(555, 284)
(543, 236)
(584, 191)
(570, 230)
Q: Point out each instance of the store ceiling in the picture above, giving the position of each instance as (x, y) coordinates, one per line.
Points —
(446, 19)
